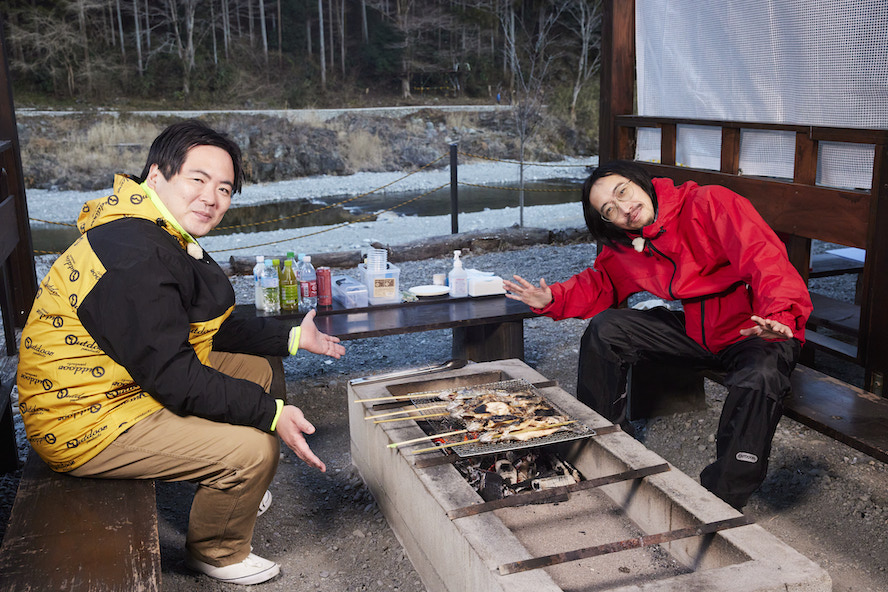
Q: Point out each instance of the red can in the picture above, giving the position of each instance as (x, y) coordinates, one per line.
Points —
(325, 286)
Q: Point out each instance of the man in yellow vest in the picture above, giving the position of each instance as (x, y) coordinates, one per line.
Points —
(131, 366)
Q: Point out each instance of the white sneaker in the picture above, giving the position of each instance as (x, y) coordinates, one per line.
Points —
(252, 570)
(265, 503)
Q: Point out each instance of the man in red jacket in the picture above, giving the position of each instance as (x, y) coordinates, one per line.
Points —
(744, 307)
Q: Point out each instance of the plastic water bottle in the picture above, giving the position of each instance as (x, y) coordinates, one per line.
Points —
(271, 288)
(308, 285)
(258, 270)
(458, 278)
(289, 287)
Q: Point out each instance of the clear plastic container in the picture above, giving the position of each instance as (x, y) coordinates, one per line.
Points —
(349, 292)
(377, 259)
(383, 285)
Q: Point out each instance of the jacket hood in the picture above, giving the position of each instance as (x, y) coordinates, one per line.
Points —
(667, 206)
(129, 200)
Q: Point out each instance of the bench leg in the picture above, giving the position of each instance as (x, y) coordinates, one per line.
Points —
(9, 460)
(278, 382)
(659, 389)
(485, 343)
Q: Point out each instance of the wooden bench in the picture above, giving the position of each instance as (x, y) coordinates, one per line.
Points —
(825, 404)
(485, 328)
(829, 265)
(70, 533)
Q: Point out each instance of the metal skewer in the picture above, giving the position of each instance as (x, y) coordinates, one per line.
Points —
(425, 438)
(411, 417)
(404, 411)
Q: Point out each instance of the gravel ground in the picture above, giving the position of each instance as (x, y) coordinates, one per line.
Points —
(824, 499)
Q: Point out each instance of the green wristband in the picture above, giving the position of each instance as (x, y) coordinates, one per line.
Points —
(277, 414)
(293, 341)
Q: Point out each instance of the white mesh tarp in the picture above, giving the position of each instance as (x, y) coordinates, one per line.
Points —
(810, 62)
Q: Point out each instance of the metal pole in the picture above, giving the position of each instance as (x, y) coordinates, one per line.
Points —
(454, 191)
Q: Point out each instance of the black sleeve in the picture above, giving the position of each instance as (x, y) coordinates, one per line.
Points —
(263, 336)
(137, 313)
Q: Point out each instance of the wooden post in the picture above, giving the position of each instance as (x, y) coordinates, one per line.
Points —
(454, 190)
(798, 248)
(24, 276)
(872, 341)
(617, 73)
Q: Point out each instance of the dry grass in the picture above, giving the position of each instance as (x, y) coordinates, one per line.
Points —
(459, 120)
(362, 150)
(107, 144)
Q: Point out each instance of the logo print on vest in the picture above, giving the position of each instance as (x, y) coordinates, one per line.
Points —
(747, 457)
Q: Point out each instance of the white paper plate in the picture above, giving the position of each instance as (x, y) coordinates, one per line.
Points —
(430, 290)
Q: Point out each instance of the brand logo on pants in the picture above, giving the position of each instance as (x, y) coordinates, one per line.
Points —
(747, 457)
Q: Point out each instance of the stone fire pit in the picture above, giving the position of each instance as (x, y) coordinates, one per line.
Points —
(475, 552)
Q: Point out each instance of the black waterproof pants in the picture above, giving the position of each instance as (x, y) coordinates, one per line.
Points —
(757, 378)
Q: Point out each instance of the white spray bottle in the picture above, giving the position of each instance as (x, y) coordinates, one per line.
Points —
(458, 279)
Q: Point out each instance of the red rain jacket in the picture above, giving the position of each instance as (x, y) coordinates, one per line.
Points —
(708, 248)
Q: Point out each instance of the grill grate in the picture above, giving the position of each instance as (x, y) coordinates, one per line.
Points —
(438, 425)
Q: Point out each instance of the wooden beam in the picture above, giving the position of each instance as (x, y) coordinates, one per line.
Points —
(730, 150)
(788, 207)
(24, 276)
(668, 143)
(873, 339)
(617, 74)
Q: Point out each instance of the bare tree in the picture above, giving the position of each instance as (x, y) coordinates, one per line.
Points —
(120, 27)
(331, 42)
(418, 25)
(147, 27)
(212, 32)
(262, 26)
(308, 48)
(182, 41)
(138, 36)
(365, 33)
(226, 26)
(280, 28)
(52, 45)
(321, 50)
(586, 25)
(89, 16)
(341, 23)
(530, 54)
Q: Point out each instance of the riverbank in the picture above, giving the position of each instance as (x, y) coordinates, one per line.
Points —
(387, 228)
(82, 150)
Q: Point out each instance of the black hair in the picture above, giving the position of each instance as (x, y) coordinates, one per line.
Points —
(169, 149)
(599, 228)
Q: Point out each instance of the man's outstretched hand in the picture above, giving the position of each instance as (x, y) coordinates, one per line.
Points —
(291, 427)
(767, 329)
(534, 296)
(311, 339)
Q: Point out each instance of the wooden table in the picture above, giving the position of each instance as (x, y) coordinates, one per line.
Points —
(485, 328)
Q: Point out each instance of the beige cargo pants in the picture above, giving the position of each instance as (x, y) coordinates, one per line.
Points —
(232, 465)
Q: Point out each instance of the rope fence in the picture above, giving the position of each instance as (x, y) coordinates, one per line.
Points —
(357, 197)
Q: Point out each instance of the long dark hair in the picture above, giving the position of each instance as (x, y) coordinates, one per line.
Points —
(600, 229)
(169, 149)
